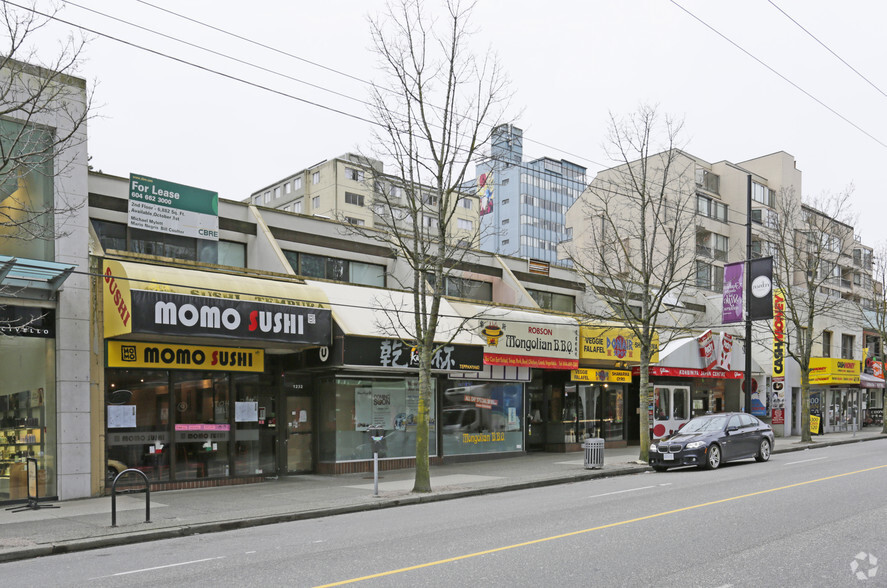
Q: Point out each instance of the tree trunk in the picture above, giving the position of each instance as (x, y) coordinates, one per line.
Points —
(422, 482)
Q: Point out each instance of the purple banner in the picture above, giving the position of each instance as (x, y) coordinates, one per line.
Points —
(733, 292)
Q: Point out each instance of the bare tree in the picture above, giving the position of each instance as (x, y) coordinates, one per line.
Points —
(876, 316)
(634, 233)
(44, 110)
(807, 240)
(434, 113)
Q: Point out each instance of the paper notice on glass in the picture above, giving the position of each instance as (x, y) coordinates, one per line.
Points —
(246, 412)
(121, 417)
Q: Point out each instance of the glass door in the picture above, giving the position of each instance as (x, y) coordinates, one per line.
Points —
(299, 434)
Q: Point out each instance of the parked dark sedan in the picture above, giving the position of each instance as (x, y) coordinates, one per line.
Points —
(710, 440)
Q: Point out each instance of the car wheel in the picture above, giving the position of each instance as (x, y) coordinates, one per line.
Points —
(660, 468)
(713, 459)
(112, 473)
(764, 451)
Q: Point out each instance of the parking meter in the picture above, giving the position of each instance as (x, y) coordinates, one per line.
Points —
(377, 439)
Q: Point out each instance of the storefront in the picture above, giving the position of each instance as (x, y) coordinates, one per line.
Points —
(537, 351)
(835, 387)
(603, 383)
(694, 376)
(27, 399)
(194, 384)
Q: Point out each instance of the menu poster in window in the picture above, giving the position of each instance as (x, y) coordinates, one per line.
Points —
(363, 408)
(121, 417)
(382, 408)
(246, 412)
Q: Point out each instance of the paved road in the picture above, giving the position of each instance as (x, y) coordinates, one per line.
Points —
(799, 520)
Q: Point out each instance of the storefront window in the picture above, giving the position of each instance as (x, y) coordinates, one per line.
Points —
(138, 422)
(27, 415)
(482, 418)
(604, 411)
(351, 407)
(202, 428)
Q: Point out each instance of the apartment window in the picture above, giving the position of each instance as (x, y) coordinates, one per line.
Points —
(315, 203)
(504, 201)
(297, 183)
(826, 343)
(297, 206)
(847, 342)
(710, 208)
(505, 241)
(430, 199)
(464, 224)
(465, 203)
(277, 192)
(332, 268)
(720, 243)
(761, 193)
(553, 300)
(267, 196)
(357, 222)
(505, 221)
(504, 182)
(257, 200)
(356, 175)
(315, 177)
(465, 288)
(709, 277)
(395, 192)
(355, 199)
(232, 253)
(287, 188)
(429, 221)
(707, 180)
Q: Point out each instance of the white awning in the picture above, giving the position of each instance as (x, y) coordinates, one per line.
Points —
(870, 381)
(374, 312)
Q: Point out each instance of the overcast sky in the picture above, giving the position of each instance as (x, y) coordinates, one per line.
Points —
(571, 63)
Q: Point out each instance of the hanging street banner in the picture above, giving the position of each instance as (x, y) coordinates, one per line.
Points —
(760, 299)
(779, 334)
(733, 300)
(175, 209)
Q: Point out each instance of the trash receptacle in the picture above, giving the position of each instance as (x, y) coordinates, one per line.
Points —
(594, 454)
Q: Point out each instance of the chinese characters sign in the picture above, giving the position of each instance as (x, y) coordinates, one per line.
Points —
(395, 354)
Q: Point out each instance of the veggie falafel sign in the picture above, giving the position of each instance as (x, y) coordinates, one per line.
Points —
(165, 207)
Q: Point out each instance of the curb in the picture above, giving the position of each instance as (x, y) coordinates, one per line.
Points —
(144, 536)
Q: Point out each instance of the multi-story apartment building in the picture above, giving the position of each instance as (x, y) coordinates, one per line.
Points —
(781, 225)
(349, 189)
(523, 204)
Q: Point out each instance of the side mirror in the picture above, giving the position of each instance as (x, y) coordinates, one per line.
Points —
(732, 428)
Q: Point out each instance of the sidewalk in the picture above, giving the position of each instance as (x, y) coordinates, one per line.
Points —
(86, 524)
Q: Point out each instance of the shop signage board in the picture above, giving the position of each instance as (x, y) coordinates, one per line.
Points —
(139, 354)
(395, 354)
(175, 209)
(691, 373)
(834, 371)
(141, 306)
(778, 377)
(601, 375)
(27, 321)
(613, 344)
(530, 343)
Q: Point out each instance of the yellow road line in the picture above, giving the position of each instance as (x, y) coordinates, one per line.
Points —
(607, 526)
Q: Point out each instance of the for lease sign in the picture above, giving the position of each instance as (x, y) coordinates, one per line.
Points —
(166, 207)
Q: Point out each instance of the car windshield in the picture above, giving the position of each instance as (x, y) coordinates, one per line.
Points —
(698, 425)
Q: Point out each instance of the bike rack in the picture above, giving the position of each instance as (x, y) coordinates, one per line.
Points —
(114, 495)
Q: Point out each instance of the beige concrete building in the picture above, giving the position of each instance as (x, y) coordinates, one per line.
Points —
(348, 188)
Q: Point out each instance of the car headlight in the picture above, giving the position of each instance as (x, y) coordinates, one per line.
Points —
(653, 448)
(695, 444)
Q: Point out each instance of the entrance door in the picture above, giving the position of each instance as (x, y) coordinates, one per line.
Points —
(299, 434)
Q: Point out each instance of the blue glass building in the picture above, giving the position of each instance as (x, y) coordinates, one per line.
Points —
(523, 204)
